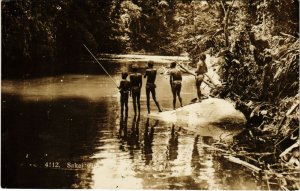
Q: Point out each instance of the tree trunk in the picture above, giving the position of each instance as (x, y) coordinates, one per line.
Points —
(264, 19)
(226, 29)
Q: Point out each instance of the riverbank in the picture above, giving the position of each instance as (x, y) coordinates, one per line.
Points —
(266, 91)
(269, 146)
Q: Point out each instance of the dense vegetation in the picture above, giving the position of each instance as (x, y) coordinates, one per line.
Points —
(258, 48)
(45, 37)
(256, 41)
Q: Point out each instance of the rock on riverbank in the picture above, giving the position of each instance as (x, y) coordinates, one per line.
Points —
(211, 117)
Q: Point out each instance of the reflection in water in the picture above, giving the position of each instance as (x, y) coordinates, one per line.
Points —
(123, 127)
(173, 144)
(133, 139)
(45, 123)
(148, 139)
(195, 162)
(123, 130)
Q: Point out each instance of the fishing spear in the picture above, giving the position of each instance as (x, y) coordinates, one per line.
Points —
(100, 64)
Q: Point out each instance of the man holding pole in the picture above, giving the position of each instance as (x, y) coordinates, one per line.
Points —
(199, 74)
(136, 85)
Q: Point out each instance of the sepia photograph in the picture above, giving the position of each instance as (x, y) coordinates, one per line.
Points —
(150, 94)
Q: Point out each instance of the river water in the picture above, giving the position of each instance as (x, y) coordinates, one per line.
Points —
(66, 132)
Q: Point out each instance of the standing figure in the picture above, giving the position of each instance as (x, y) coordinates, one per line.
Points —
(175, 82)
(150, 85)
(200, 71)
(136, 85)
(124, 88)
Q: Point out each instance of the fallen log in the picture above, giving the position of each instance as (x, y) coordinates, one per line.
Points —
(243, 163)
(215, 148)
(292, 109)
(288, 35)
(289, 136)
(286, 151)
(289, 112)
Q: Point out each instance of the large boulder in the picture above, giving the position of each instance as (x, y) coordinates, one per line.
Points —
(211, 117)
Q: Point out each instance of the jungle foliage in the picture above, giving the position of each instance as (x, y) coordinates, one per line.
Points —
(45, 37)
(256, 42)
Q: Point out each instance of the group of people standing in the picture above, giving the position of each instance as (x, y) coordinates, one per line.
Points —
(132, 87)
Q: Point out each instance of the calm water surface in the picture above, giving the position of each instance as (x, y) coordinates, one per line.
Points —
(66, 132)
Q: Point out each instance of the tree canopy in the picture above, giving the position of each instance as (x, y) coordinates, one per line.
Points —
(45, 37)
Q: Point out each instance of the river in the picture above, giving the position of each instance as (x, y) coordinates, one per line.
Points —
(66, 132)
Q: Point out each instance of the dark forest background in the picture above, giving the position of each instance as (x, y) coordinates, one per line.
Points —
(254, 44)
(42, 37)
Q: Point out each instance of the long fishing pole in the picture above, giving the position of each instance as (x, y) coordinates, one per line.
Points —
(100, 65)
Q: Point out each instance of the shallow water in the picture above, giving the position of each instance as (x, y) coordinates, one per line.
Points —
(66, 132)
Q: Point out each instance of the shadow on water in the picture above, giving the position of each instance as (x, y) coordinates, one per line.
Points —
(48, 134)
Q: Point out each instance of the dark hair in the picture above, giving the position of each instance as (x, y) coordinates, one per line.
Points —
(150, 64)
(173, 64)
(124, 75)
(134, 68)
(202, 57)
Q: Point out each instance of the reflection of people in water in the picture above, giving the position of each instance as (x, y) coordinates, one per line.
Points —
(148, 139)
(123, 126)
(123, 130)
(195, 162)
(173, 144)
(133, 139)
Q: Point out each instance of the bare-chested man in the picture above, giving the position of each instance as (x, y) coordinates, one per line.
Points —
(124, 88)
(136, 85)
(200, 71)
(175, 82)
(150, 85)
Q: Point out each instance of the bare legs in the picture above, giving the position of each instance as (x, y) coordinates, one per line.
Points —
(176, 92)
(148, 90)
(136, 102)
(198, 85)
(124, 103)
(198, 93)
